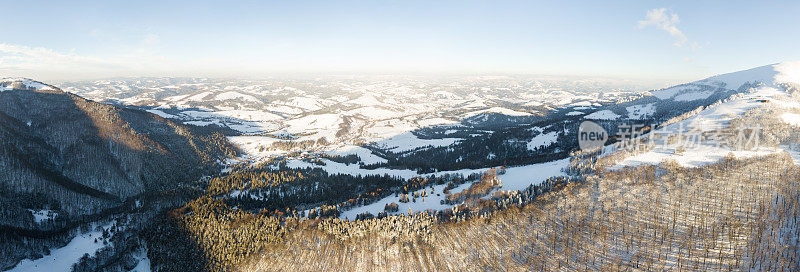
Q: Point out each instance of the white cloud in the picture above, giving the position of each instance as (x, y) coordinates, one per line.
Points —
(32, 57)
(668, 21)
(40, 62)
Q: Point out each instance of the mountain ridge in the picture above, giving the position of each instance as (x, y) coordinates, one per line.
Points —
(88, 156)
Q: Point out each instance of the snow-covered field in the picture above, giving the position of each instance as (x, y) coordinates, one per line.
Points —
(257, 147)
(366, 156)
(408, 141)
(343, 110)
(693, 157)
(499, 110)
(515, 178)
(574, 113)
(603, 115)
(641, 111)
(42, 215)
(791, 118)
(62, 259)
(352, 169)
(543, 140)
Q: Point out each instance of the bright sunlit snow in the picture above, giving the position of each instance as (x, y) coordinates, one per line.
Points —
(515, 178)
(791, 118)
(718, 116)
(42, 215)
(408, 141)
(603, 115)
(637, 112)
(62, 259)
(543, 140)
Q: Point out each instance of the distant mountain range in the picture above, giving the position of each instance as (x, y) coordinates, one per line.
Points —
(152, 134)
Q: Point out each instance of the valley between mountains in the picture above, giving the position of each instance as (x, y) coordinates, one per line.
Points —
(397, 173)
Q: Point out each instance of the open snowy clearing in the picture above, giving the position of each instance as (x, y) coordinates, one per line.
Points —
(42, 215)
(62, 259)
(641, 111)
(602, 115)
(499, 110)
(408, 141)
(543, 140)
(515, 178)
(366, 156)
(333, 168)
(258, 147)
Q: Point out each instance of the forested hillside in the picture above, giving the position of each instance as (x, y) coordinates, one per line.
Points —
(70, 157)
(731, 216)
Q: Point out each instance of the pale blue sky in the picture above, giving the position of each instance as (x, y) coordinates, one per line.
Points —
(655, 40)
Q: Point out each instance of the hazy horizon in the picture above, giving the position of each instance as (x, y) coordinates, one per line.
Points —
(656, 43)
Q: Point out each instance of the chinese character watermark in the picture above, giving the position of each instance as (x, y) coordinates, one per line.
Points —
(635, 137)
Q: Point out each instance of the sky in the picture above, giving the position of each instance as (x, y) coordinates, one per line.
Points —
(659, 41)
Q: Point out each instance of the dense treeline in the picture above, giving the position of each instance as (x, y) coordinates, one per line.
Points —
(733, 215)
(256, 189)
(290, 191)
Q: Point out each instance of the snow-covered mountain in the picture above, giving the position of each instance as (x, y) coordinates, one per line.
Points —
(370, 148)
(768, 92)
(768, 88)
(673, 100)
(268, 118)
(8, 84)
(702, 89)
(336, 112)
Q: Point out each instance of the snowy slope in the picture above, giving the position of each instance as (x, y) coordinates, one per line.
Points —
(366, 156)
(702, 89)
(7, 84)
(408, 141)
(62, 259)
(638, 112)
(542, 140)
(718, 117)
